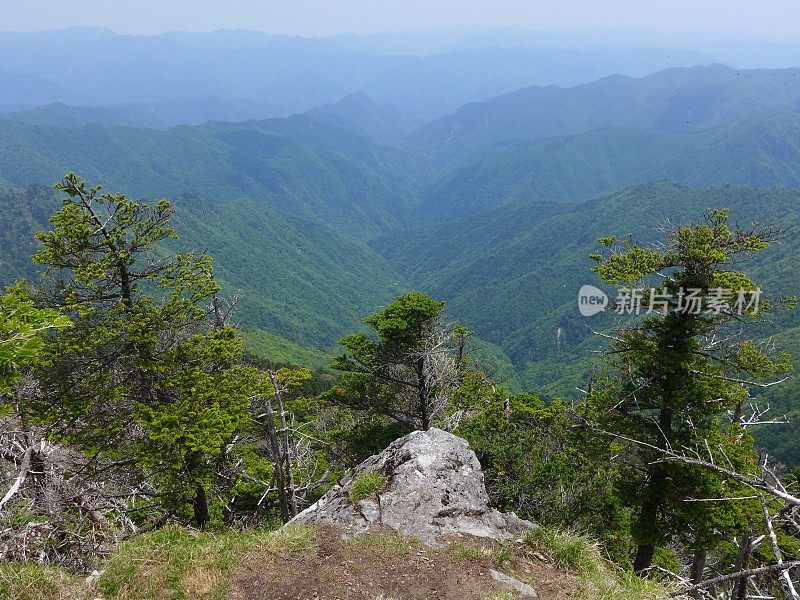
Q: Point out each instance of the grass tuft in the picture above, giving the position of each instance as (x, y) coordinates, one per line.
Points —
(599, 579)
(33, 581)
(462, 551)
(568, 551)
(504, 556)
(366, 484)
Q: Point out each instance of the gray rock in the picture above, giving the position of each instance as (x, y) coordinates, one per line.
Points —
(369, 510)
(435, 488)
(523, 589)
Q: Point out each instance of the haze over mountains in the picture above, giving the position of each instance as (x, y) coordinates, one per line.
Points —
(189, 78)
(327, 175)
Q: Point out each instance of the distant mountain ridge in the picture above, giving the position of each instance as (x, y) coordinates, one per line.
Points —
(282, 75)
(19, 91)
(672, 101)
(66, 116)
(381, 123)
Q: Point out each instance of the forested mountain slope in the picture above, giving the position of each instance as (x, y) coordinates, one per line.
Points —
(675, 100)
(514, 272)
(297, 277)
(762, 151)
(315, 186)
(286, 205)
(298, 165)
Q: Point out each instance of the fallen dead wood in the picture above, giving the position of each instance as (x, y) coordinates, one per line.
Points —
(23, 474)
(744, 573)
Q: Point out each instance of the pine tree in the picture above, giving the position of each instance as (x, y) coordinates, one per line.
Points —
(407, 369)
(674, 374)
(142, 378)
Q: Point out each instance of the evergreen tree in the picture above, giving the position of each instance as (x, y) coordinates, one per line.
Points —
(142, 378)
(407, 370)
(673, 375)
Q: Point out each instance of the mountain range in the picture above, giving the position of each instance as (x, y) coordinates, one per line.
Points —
(319, 218)
(188, 78)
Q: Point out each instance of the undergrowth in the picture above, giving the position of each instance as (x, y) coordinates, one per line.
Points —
(599, 578)
(173, 562)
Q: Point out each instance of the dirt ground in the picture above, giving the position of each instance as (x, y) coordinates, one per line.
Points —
(383, 566)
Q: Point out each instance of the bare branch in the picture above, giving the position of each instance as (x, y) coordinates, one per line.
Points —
(737, 575)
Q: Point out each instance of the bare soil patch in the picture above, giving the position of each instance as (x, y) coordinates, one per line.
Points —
(383, 566)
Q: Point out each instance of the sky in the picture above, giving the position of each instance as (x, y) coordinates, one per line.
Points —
(776, 19)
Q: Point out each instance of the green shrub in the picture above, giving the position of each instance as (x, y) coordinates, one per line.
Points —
(530, 452)
(366, 484)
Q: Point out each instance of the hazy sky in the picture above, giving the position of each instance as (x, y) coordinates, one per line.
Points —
(774, 18)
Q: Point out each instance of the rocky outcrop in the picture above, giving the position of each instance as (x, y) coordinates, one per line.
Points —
(434, 488)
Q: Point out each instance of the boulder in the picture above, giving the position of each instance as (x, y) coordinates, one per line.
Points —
(434, 488)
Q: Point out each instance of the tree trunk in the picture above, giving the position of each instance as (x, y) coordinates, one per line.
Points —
(216, 307)
(786, 579)
(698, 566)
(424, 407)
(740, 587)
(644, 557)
(199, 500)
(126, 290)
(277, 462)
(737, 414)
(653, 494)
(287, 449)
(648, 517)
(200, 507)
